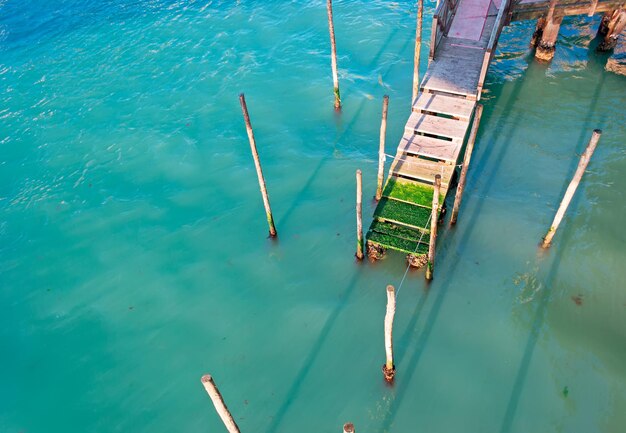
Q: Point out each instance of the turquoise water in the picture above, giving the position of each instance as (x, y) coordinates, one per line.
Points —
(134, 255)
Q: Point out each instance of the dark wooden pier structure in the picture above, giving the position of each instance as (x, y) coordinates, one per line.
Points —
(464, 37)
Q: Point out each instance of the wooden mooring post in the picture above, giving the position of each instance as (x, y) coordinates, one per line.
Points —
(389, 369)
(466, 161)
(257, 164)
(545, 36)
(359, 215)
(430, 266)
(613, 23)
(219, 404)
(381, 149)
(348, 427)
(333, 54)
(418, 49)
(571, 189)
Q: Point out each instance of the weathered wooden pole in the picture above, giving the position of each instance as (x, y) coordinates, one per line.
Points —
(389, 369)
(418, 48)
(381, 149)
(359, 215)
(257, 164)
(348, 427)
(430, 266)
(333, 53)
(612, 25)
(466, 161)
(219, 404)
(549, 34)
(571, 189)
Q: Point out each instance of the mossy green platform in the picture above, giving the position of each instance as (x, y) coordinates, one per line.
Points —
(402, 218)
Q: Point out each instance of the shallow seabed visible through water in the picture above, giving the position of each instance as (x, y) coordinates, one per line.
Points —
(134, 255)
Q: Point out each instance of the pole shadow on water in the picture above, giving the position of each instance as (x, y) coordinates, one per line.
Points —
(348, 128)
(557, 252)
(312, 356)
(442, 282)
(328, 325)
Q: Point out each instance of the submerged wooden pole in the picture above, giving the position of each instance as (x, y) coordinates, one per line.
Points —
(359, 215)
(433, 229)
(333, 54)
(257, 164)
(571, 189)
(219, 404)
(389, 369)
(466, 160)
(418, 48)
(348, 427)
(381, 149)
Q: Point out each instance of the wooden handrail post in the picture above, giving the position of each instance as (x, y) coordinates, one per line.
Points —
(219, 404)
(257, 164)
(333, 54)
(430, 266)
(381, 149)
(359, 215)
(466, 161)
(389, 369)
(573, 185)
(418, 48)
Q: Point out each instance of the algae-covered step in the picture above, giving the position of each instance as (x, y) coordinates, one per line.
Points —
(402, 213)
(411, 167)
(399, 244)
(411, 191)
(402, 232)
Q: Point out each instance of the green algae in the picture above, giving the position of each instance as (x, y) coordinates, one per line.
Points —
(403, 213)
(392, 242)
(417, 193)
(399, 231)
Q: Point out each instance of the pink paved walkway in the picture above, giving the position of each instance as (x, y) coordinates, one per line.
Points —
(469, 21)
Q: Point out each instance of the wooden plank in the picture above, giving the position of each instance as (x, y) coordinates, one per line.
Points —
(531, 9)
(435, 148)
(413, 167)
(437, 103)
(469, 19)
(437, 125)
(455, 70)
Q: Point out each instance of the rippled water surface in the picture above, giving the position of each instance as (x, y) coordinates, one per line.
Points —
(134, 258)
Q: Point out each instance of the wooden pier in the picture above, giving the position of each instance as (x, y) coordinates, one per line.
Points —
(463, 41)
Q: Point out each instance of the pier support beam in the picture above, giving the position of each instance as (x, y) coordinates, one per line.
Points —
(613, 23)
(546, 33)
(547, 42)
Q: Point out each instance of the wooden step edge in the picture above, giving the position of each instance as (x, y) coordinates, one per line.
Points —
(395, 248)
(400, 223)
(430, 181)
(455, 138)
(417, 204)
(425, 239)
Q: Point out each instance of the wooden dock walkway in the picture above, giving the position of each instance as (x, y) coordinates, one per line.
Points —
(435, 131)
(463, 41)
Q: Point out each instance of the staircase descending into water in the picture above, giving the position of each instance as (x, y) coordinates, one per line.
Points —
(463, 41)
